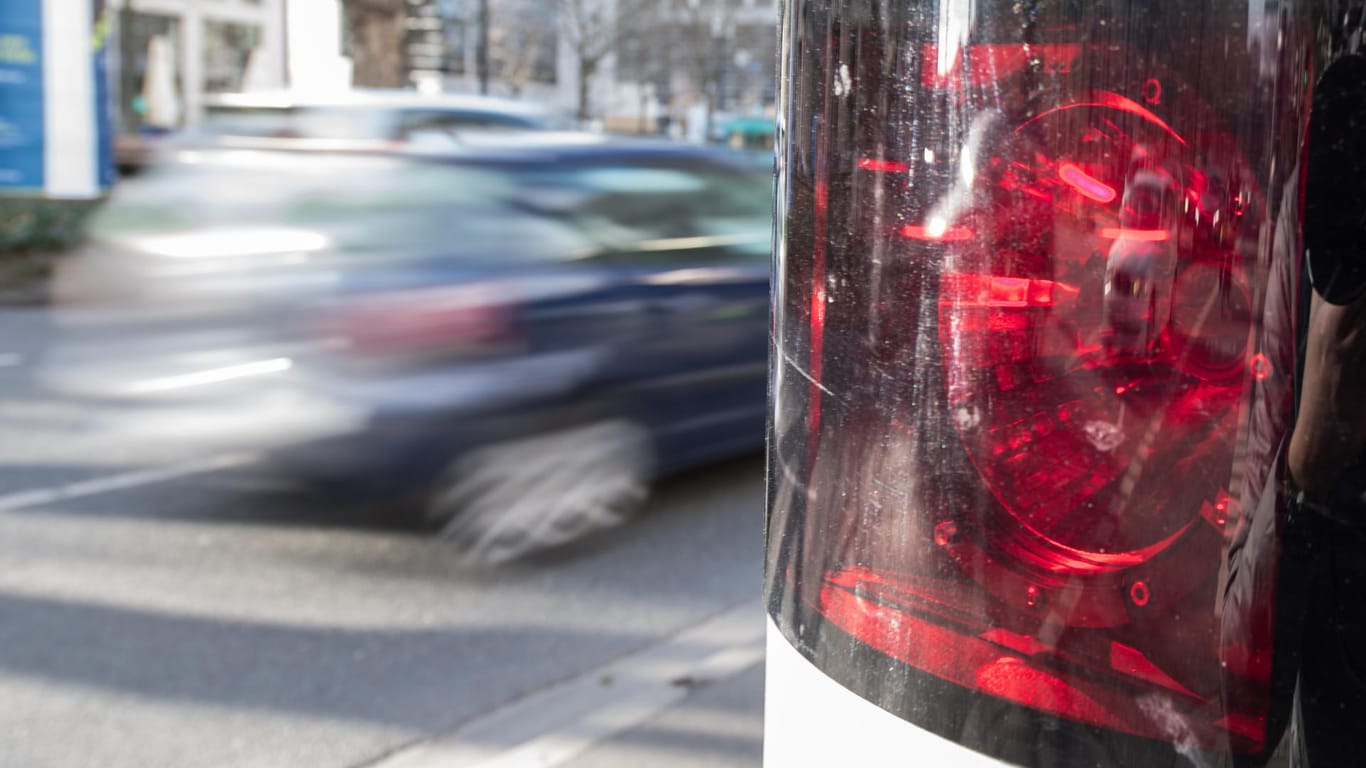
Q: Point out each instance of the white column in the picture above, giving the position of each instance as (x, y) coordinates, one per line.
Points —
(315, 60)
(69, 114)
(192, 61)
(273, 40)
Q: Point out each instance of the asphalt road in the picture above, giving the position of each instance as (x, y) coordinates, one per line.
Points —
(157, 610)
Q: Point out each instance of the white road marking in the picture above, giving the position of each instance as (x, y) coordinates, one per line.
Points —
(41, 496)
(551, 727)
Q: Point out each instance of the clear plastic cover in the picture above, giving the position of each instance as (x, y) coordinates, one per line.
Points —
(1032, 364)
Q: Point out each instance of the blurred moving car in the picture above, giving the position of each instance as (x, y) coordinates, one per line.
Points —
(526, 335)
(352, 120)
(369, 118)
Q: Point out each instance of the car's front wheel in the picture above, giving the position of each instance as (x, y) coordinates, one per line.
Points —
(507, 500)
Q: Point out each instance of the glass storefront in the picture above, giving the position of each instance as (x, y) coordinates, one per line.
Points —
(228, 52)
(148, 45)
(163, 63)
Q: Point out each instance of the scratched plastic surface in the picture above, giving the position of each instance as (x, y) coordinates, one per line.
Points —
(1024, 377)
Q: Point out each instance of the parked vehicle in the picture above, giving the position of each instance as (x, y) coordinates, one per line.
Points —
(526, 335)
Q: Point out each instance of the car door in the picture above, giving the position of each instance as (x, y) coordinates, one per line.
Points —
(689, 241)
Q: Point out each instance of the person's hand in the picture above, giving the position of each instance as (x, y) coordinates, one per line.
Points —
(1330, 431)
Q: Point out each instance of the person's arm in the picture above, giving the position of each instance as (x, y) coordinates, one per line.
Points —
(1330, 431)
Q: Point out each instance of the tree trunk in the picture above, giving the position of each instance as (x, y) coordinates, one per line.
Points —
(375, 29)
(711, 112)
(586, 70)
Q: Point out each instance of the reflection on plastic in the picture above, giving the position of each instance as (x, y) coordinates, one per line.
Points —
(1011, 435)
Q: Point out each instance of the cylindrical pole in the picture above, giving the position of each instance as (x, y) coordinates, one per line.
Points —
(482, 49)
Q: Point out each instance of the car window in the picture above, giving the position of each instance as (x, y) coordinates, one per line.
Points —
(337, 123)
(645, 214)
(447, 121)
(363, 207)
(264, 122)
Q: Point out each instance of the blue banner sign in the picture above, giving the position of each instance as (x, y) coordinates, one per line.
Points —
(21, 96)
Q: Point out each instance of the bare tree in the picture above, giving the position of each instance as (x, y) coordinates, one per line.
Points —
(376, 42)
(644, 52)
(704, 30)
(591, 29)
(518, 38)
(694, 38)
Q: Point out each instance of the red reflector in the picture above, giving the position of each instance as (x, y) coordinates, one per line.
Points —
(991, 62)
(1139, 593)
(1112, 100)
(1131, 661)
(1005, 292)
(1009, 292)
(1141, 235)
(988, 663)
(937, 232)
(1261, 367)
(1088, 185)
(882, 166)
(1077, 419)
(1249, 727)
(1059, 468)
(1014, 680)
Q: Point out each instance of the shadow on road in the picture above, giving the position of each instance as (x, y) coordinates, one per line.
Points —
(240, 664)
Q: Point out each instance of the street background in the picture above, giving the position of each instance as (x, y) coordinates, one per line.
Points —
(169, 614)
(168, 603)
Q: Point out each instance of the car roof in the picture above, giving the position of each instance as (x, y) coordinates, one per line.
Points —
(373, 98)
(555, 147)
(548, 148)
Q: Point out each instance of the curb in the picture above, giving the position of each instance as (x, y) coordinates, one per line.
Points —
(24, 279)
(24, 297)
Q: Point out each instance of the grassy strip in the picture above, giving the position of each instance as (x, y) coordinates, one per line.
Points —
(34, 225)
(33, 232)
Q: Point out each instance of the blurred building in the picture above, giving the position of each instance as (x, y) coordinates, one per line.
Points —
(166, 55)
(644, 66)
(433, 42)
(681, 67)
(443, 40)
(437, 45)
(686, 67)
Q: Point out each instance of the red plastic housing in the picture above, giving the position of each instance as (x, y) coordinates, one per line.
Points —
(1022, 285)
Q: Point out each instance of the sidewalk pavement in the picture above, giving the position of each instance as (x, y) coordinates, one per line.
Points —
(719, 725)
(24, 278)
(694, 700)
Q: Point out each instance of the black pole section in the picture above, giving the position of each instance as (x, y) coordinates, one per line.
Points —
(482, 51)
